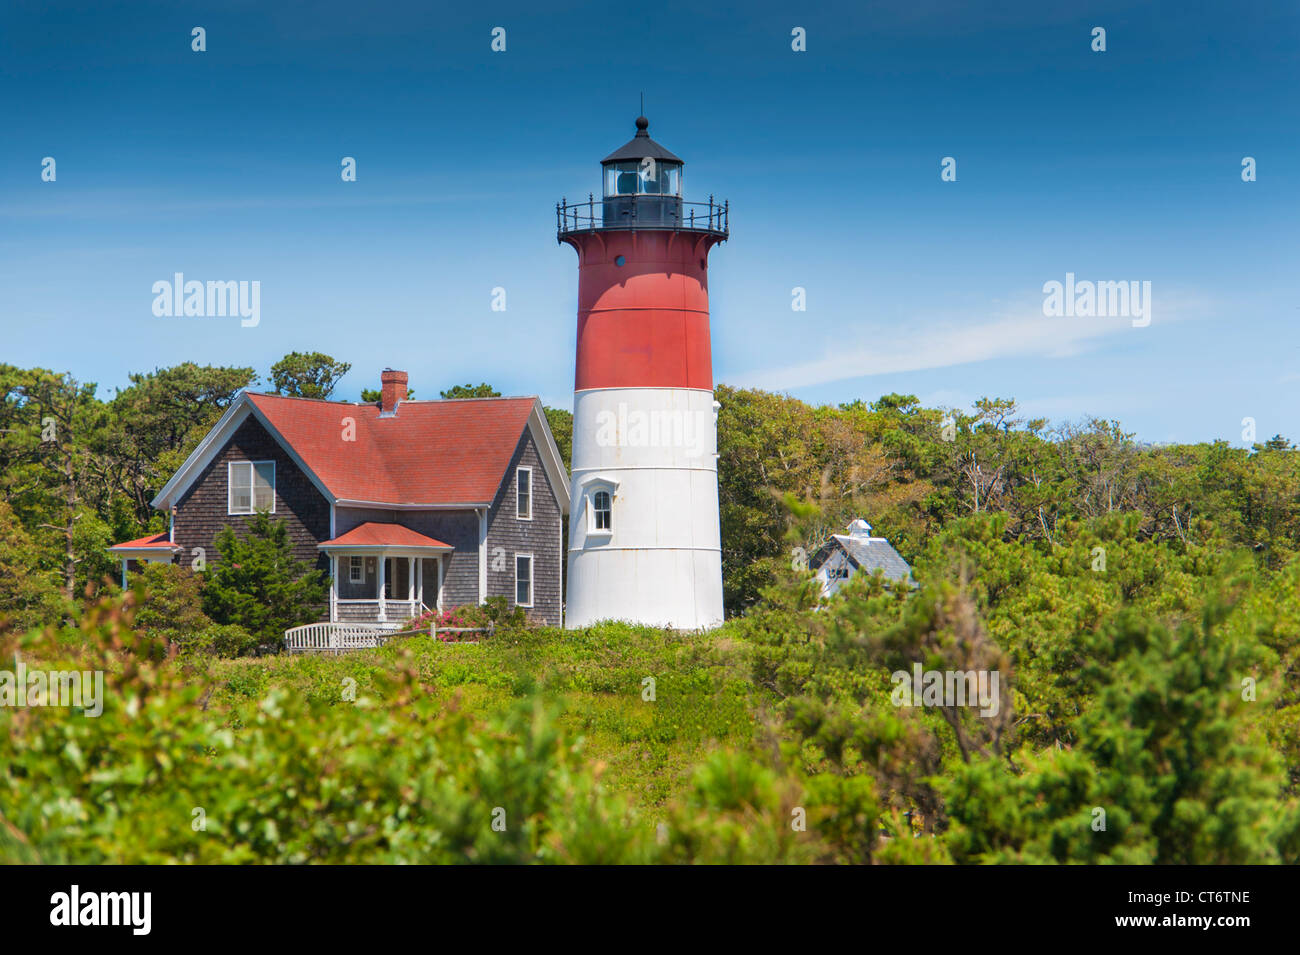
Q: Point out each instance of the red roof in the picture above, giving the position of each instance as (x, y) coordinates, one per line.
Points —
(375, 534)
(153, 541)
(430, 452)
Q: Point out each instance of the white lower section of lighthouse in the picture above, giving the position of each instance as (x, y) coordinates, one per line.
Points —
(644, 540)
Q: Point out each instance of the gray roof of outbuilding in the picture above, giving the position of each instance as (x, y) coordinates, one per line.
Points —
(875, 553)
(639, 147)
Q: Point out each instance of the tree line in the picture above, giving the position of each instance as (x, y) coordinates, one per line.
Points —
(78, 470)
(911, 470)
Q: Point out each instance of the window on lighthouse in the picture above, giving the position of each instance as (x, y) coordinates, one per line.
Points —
(646, 177)
(600, 511)
(670, 179)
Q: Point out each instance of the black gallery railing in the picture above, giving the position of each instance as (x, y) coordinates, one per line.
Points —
(642, 212)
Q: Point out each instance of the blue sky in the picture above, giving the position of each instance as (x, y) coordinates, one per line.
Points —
(224, 165)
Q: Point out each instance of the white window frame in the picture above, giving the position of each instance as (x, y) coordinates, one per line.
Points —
(531, 579)
(252, 487)
(519, 484)
(591, 510)
(356, 569)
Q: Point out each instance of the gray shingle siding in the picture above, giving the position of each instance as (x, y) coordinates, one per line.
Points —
(539, 536)
(201, 512)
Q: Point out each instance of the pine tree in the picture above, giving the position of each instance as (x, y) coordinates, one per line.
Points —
(28, 596)
(1168, 769)
(259, 585)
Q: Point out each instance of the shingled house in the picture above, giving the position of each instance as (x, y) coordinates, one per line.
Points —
(845, 555)
(405, 504)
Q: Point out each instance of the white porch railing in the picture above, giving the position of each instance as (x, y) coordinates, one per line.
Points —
(367, 611)
(335, 637)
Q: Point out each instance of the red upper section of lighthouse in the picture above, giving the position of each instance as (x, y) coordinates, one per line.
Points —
(645, 323)
(643, 288)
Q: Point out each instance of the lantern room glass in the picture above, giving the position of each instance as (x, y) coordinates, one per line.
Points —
(646, 177)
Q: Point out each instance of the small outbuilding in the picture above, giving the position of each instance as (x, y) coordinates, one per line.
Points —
(857, 552)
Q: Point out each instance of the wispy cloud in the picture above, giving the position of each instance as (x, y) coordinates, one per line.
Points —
(119, 203)
(927, 344)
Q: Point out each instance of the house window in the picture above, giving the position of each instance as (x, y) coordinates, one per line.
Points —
(356, 570)
(524, 494)
(524, 580)
(252, 487)
(601, 516)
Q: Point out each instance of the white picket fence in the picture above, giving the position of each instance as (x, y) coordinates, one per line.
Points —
(336, 637)
(341, 637)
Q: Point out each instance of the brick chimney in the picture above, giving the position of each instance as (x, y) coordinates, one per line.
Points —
(392, 390)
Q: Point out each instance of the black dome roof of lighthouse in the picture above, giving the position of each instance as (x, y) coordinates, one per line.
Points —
(639, 147)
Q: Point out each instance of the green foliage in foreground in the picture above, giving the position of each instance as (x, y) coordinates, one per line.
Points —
(169, 614)
(592, 678)
(1148, 713)
(1168, 754)
(395, 774)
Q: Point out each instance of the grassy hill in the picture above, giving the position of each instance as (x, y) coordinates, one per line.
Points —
(703, 697)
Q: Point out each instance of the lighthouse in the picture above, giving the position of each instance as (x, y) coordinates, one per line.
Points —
(644, 538)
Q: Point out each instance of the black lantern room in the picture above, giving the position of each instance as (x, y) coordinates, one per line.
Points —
(641, 189)
(643, 183)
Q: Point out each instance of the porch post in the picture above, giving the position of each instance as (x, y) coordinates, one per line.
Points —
(482, 555)
(334, 588)
(410, 589)
(419, 573)
(383, 617)
(124, 573)
(440, 557)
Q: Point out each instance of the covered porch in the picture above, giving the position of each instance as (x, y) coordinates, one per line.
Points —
(384, 574)
(154, 549)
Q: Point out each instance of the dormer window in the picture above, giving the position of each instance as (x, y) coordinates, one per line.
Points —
(597, 500)
(252, 487)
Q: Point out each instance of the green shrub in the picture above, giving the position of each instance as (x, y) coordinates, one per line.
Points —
(391, 774)
(259, 585)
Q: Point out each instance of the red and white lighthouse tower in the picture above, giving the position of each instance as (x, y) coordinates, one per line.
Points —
(644, 540)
